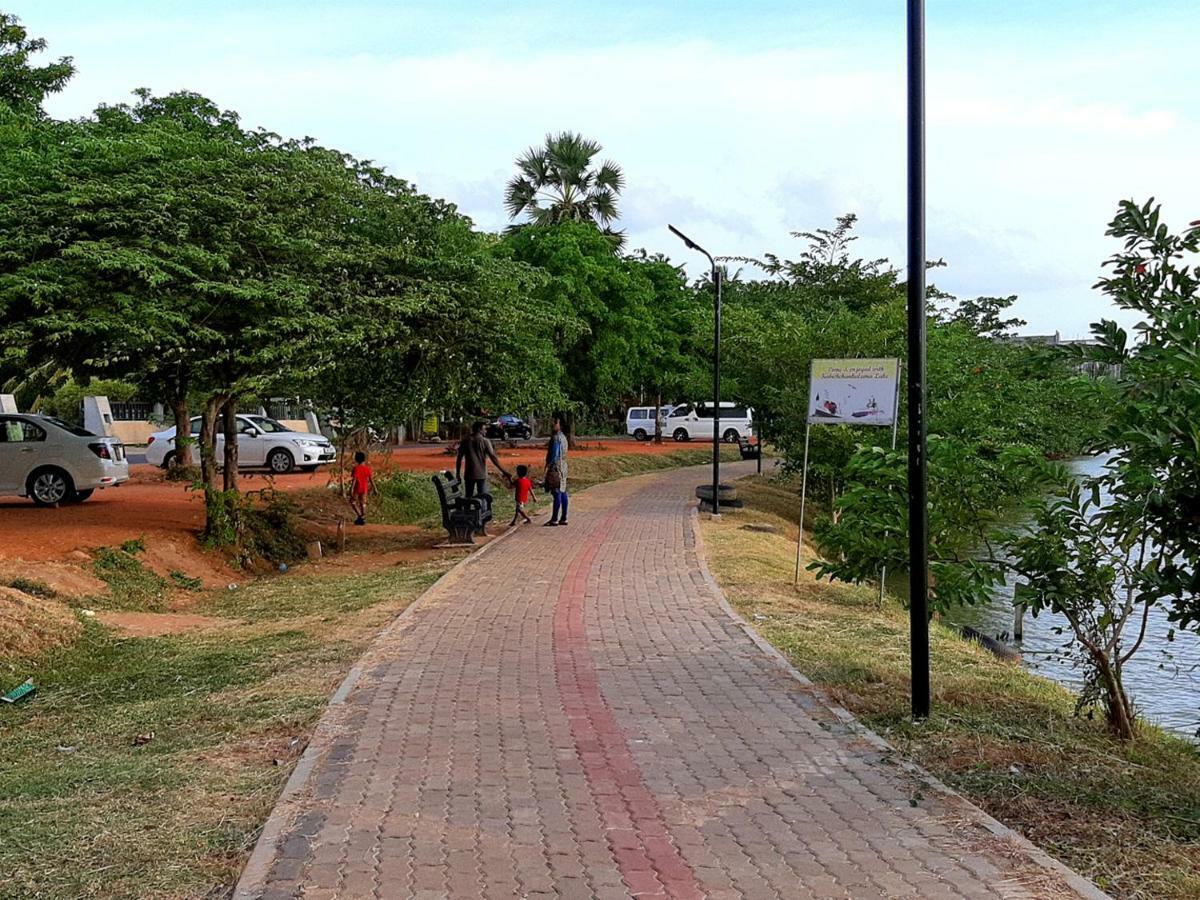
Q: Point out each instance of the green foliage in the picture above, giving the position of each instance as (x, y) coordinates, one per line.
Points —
(24, 86)
(269, 530)
(1102, 552)
(621, 321)
(67, 402)
(872, 526)
(558, 184)
(1154, 475)
(986, 394)
(406, 498)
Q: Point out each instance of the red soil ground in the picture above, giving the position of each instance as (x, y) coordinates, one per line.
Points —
(169, 515)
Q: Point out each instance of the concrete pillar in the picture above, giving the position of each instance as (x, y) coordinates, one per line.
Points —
(158, 412)
(310, 419)
(97, 416)
(8, 403)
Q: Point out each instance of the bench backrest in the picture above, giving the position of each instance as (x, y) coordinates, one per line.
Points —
(449, 490)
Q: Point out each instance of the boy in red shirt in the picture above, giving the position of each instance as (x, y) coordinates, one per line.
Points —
(523, 489)
(362, 480)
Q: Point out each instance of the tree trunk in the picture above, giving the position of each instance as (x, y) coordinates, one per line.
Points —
(1120, 713)
(208, 442)
(183, 430)
(229, 417)
(216, 518)
(658, 422)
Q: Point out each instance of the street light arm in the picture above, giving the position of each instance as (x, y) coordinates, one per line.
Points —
(692, 245)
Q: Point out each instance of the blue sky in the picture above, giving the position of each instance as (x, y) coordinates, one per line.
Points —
(737, 122)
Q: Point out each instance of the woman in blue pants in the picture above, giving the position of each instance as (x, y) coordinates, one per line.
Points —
(556, 460)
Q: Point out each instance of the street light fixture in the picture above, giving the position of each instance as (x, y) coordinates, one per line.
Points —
(716, 277)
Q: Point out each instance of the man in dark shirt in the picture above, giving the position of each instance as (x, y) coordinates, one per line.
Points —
(476, 450)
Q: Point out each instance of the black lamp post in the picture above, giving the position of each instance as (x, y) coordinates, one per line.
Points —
(716, 277)
(918, 525)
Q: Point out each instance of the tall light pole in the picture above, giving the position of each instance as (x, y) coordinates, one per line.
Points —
(918, 524)
(716, 438)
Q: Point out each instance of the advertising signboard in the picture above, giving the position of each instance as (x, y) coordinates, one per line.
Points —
(853, 391)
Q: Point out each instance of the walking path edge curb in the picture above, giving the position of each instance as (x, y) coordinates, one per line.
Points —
(1074, 880)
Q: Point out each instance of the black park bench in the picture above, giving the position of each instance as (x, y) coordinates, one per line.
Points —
(749, 450)
(463, 517)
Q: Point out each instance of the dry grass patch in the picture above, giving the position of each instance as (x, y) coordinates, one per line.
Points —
(1126, 816)
(31, 624)
(88, 810)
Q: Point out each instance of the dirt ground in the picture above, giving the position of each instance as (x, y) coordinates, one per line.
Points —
(169, 515)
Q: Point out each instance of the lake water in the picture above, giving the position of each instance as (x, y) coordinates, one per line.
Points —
(1163, 678)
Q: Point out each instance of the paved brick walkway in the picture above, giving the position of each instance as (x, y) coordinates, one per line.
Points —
(574, 713)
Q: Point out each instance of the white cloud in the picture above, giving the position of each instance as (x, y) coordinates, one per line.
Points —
(1029, 153)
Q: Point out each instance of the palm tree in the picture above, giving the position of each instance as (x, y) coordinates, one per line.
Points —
(557, 184)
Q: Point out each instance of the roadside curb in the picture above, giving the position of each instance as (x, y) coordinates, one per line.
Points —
(1076, 882)
(252, 881)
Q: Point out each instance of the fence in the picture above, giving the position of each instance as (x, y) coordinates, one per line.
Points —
(276, 408)
(132, 411)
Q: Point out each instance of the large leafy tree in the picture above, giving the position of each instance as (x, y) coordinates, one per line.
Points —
(23, 85)
(558, 182)
(160, 238)
(621, 321)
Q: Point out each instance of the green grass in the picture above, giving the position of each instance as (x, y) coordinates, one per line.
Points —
(1127, 816)
(87, 813)
(131, 585)
(32, 587)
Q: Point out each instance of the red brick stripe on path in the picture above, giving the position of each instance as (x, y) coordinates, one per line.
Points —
(574, 713)
(650, 864)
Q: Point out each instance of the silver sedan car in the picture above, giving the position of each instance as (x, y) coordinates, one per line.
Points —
(52, 462)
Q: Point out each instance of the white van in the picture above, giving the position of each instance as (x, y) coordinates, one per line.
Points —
(639, 421)
(694, 421)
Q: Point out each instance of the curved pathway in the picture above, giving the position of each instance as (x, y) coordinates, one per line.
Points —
(575, 712)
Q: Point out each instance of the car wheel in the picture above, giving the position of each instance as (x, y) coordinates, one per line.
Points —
(526, 434)
(731, 436)
(280, 462)
(170, 461)
(80, 496)
(640, 434)
(681, 435)
(49, 487)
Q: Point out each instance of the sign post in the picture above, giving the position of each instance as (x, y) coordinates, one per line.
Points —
(847, 392)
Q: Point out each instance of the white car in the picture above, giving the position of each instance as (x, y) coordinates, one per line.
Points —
(694, 421)
(639, 421)
(51, 462)
(262, 444)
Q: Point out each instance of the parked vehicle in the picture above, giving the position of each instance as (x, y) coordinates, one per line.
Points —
(51, 462)
(263, 443)
(694, 421)
(639, 421)
(509, 427)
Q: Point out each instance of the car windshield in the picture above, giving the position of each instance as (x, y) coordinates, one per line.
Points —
(72, 429)
(268, 425)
